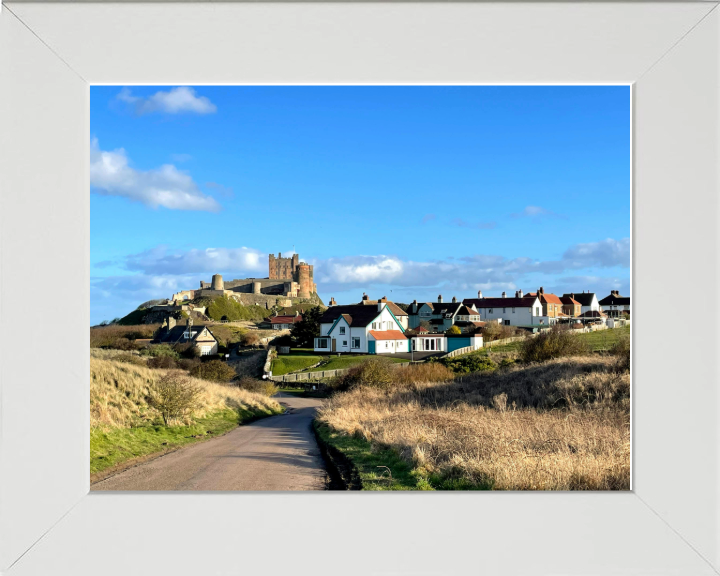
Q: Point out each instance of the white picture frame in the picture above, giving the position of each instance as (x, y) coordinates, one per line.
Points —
(49, 522)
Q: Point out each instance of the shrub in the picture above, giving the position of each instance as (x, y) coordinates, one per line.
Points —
(265, 387)
(215, 371)
(621, 349)
(164, 362)
(250, 339)
(175, 396)
(453, 330)
(187, 363)
(555, 343)
(187, 350)
(375, 373)
(160, 350)
(493, 331)
(468, 363)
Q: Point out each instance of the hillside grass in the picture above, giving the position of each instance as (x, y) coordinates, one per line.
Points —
(224, 306)
(560, 425)
(125, 425)
(342, 362)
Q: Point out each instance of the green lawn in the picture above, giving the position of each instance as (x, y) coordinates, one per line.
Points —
(340, 362)
(116, 445)
(291, 362)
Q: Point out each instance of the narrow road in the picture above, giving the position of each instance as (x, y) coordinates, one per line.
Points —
(277, 453)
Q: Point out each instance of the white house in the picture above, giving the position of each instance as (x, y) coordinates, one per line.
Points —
(361, 329)
(588, 301)
(441, 315)
(521, 310)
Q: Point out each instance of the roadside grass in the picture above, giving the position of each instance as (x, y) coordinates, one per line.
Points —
(289, 363)
(372, 463)
(112, 446)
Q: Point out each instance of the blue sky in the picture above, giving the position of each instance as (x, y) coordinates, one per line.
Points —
(405, 192)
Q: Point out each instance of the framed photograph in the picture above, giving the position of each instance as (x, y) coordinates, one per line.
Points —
(157, 161)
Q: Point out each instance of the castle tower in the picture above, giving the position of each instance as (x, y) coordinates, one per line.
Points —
(306, 287)
(217, 282)
(256, 286)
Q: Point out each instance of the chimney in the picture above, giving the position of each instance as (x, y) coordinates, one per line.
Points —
(332, 302)
(365, 296)
(383, 299)
(520, 293)
(504, 295)
(414, 306)
(454, 300)
(479, 294)
(380, 305)
(541, 290)
(171, 323)
(440, 298)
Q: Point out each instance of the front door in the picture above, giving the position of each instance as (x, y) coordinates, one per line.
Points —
(334, 342)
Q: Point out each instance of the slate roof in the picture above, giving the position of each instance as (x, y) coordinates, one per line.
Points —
(355, 314)
(593, 314)
(393, 307)
(524, 302)
(175, 335)
(388, 335)
(569, 300)
(616, 300)
(585, 298)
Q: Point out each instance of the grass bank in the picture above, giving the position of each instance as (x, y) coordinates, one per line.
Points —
(303, 360)
(560, 425)
(596, 341)
(125, 424)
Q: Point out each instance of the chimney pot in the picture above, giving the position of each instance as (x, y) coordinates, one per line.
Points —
(440, 298)
(480, 294)
(454, 300)
(504, 295)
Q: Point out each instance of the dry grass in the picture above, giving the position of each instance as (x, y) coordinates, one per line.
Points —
(561, 425)
(121, 393)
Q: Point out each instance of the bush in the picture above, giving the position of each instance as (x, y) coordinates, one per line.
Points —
(621, 349)
(493, 331)
(175, 396)
(164, 362)
(555, 343)
(215, 371)
(187, 363)
(160, 350)
(374, 373)
(265, 387)
(187, 350)
(453, 330)
(250, 339)
(122, 336)
(468, 363)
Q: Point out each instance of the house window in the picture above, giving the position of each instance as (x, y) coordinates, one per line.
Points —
(513, 309)
(507, 322)
(187, 335)
(342, 329)
(322, 342)
(503, 310)
(537, 311)
(373, 325)
(437, 344)
(387, 344)
(205, 350)
(356, 342)
(344, 342)
(490, 311)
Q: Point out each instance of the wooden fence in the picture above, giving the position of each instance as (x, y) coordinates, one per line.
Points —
(318, 374)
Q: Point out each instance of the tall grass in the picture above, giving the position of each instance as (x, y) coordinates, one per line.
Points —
(560, 425)
(121, 393)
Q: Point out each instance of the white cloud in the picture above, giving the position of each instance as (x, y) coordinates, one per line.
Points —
(537, 212)
(161, 261)
(176, 101)
(605, 254)
(112, 175)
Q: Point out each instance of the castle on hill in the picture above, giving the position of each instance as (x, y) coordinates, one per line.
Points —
(288, 277)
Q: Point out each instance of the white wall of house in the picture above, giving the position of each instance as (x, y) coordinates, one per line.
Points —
(429, 343)
(384, 321)
(390, 346)
(516, 316)
(594, 306)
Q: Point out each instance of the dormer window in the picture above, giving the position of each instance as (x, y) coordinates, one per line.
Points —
(342, 329)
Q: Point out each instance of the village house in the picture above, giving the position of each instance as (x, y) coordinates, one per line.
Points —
(284, 322)
(362, 329)
(588, 301)
(552, 306)
(521, 310)
(398, 312)
(199, 337)
(571, 307)
(442, 315)
(615, 305)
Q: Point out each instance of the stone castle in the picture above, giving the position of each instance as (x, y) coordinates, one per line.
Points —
(287, 277)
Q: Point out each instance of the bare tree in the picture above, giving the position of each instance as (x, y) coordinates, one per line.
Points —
(175, 396)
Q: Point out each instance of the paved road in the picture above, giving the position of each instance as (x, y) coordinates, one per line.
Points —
(276, 453)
